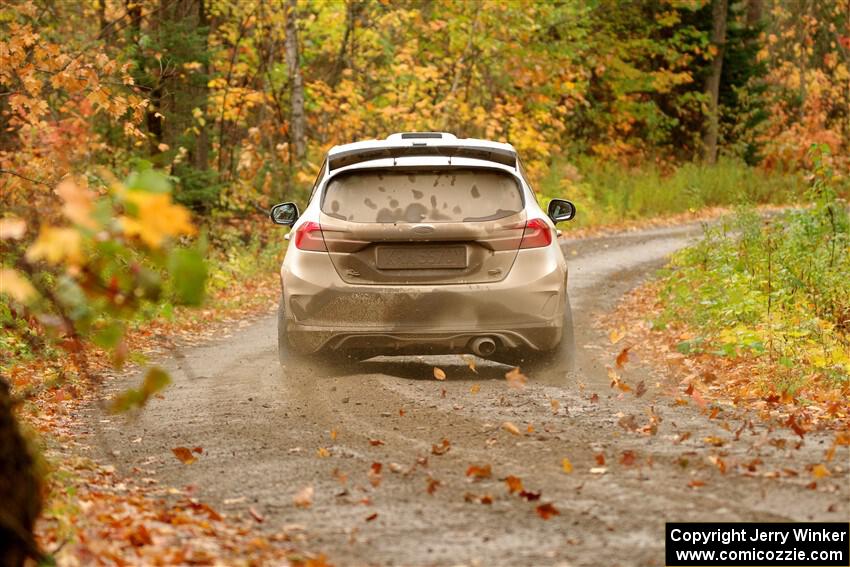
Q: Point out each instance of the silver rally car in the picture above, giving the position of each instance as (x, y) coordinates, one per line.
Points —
(424, 243)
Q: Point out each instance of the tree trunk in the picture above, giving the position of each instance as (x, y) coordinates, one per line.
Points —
(296, 83)
(20, 489)
(719, 13)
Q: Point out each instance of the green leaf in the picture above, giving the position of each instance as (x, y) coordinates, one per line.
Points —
(108, 336)
(149, 180)
(188, 273)
(155, 380)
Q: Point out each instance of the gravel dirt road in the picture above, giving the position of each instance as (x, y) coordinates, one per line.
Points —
(266, 437)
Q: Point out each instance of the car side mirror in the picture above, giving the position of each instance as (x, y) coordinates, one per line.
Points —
(561, 210)
(285, 214)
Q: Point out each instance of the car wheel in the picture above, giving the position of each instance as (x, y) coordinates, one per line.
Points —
(328, 364)
(289, 357)
(556, 363)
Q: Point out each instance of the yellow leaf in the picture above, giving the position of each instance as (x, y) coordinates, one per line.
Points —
(322, 453)
(820, 471)
(157, 218)
(439, 374)
(55, 245)
(510, 428)
(475, 389)
(15, 285)
(566, 465)
(616, 335)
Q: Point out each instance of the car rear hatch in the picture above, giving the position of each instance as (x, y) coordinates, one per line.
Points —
(415, 226)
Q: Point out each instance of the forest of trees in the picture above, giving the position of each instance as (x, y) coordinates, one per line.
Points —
(237, 101)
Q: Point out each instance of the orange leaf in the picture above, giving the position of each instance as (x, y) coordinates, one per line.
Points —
(566, 465)
(442, 448)
(184, 454)
(478, 473)
(439, 373)
(514, 484)
(547, 510)
(623, 357)
(510, 428)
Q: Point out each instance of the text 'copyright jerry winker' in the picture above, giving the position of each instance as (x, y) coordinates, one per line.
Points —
(744, 544)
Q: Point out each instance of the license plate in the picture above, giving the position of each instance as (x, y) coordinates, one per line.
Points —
(421, 257)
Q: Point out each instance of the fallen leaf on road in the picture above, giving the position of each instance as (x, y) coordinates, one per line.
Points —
(718, 462)
(470, 362)
(556, 405)
(640, 390)
(474, 389)
(623, 357)
(198, 450)
(442, 448)
(433, 484)
(395, 467)
(516, 379)
(256, 515)
(530, 496)
(478, 473)
(184, 454)
(375, 442)
(371, 517)
(617, 380)
(696, 483)
(820, 471)
(566, 465)
(375, 474)
(616, 335)
(628, 458)
(715, 441)
(600, 459)
(304, 497)
(599, 470)
(798, 429)
(594, 398)
(514, 484)
(322, 453)
(547, 510)
(510, 428)
(480, 499)
(439, 373)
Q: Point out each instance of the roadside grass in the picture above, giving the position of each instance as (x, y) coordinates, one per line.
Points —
(765, 302)
(608, 193)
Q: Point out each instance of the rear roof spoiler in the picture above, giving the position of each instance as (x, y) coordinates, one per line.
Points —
(358, 152)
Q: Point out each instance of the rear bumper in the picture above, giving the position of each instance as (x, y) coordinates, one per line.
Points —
(525, 310)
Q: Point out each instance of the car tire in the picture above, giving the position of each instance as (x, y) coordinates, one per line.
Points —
(556, 363)
(328, 364)
(287, 356)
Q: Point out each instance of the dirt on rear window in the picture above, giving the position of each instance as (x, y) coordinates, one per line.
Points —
(457, 195)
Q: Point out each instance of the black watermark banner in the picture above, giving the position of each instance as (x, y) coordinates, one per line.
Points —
(745, 544)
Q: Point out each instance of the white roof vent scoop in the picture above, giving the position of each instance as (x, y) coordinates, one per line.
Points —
(421, 136)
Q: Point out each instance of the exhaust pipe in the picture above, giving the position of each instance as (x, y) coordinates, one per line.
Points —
(483, 346)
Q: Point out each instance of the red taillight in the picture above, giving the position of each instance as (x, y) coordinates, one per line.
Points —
(537, 234)
(309, 236)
